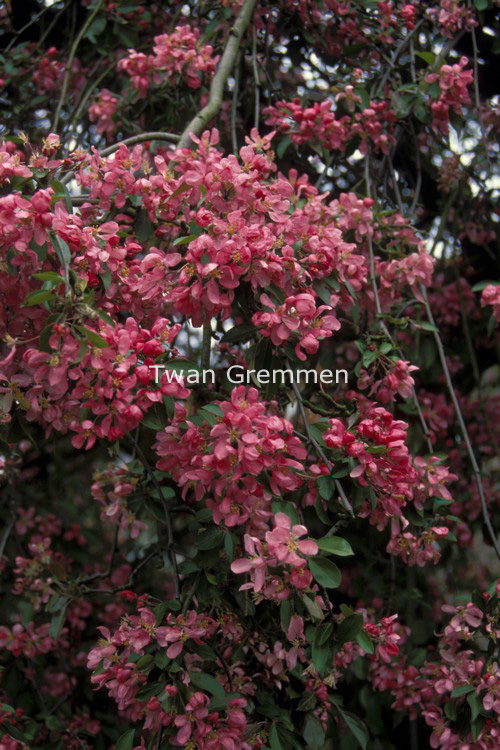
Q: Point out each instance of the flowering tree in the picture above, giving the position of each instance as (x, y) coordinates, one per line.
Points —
(190, 189)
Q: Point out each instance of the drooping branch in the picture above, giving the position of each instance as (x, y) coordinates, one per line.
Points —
(211, 109)
(378, 308)
(462, 425)
(319, 450)
(140, 138)
(69, 63)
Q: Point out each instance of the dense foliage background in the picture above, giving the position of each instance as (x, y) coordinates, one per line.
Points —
(288, 185)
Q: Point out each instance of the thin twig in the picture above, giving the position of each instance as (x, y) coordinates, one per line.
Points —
(26, 26)
(396, 186)
(396, 55)
(170, 534)
(85, 97)
(211, 109)
(461, 422)
(106, 573)
(69, 63)
(319, 450)
(140, 138)
(206, 343)
(255, 76)
(5, 536)
(477, 97)
(418, 185)
(225, 667)
(378, 308)
(234, 106)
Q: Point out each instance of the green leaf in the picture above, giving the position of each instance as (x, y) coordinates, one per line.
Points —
(95, 29)
(356, 726)
(369, 357)
(475, 705)
(326, 487)
(450, 710)
(239, 333)
(184, 240)
(48, 276)
(425, 326)
(145, 661)
(57, 623)
(207, 416)
(320, 512)
(313, 608)
(477, 727)
(428, 57)
(366, 643)
(181, 189)
(285, 613)
(107, 318)
(62, 251)
(279, 738)
(209, 539)
(322, 656)
(61, 193)
(94, 338)
(349, 628)
(126, 741)
(313, 733)
(36, 298)
(282, 146)
(229, 546)
(483, 284)
(462, 690)
(207, 683)
(324, 633)
(325, 572)
(106, 278)
(481, 4)
(321, 289)
(289, 509)
(335, 545)
(221, 701)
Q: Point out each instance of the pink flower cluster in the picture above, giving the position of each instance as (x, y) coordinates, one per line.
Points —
(49, 73)
(377, 445)
(225, 460)
(396, 381)
(297, 317)
(114, 381)
(179, 709)
(177, 56)
(453, 81)
(372, 125)
(102, 110)
(29, 641)
(111, 488)
(452, 16)
(11, 162)
(491, 296)
(460, 674)
(418, 550)
(283, 547)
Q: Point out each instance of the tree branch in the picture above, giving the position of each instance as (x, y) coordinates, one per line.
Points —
(461, 422)
(170, 534)
(319, 450)
(211, 109)
(69, 62)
